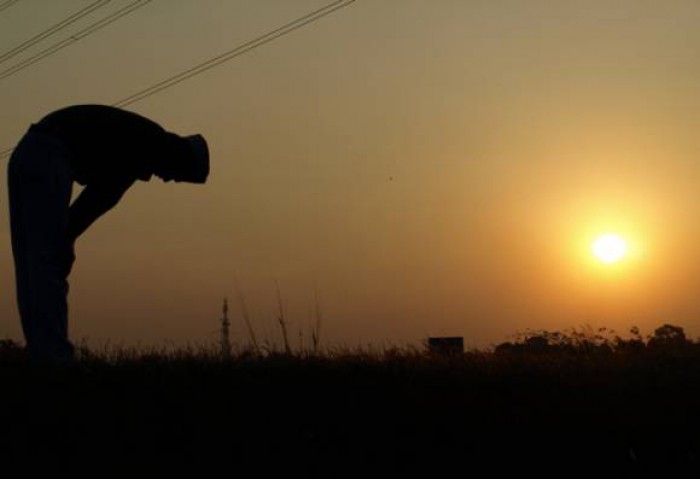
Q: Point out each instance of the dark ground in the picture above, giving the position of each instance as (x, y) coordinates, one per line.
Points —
(393, 415)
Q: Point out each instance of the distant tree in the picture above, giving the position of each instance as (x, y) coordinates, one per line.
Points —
(584, 340)
(668, 336)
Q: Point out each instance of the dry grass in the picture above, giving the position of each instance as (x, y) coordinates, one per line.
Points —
(331, 412)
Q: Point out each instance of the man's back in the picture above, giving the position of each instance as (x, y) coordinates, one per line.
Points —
(108, 142)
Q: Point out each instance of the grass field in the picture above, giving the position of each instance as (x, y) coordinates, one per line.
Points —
(546, 408)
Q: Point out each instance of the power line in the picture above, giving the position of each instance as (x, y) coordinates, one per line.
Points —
(98, 25)
(7, 4)
(228, 55)
(52, 30)
(235, 52)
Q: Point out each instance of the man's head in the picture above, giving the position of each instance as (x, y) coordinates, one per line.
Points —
(197, 170)
(191, 167)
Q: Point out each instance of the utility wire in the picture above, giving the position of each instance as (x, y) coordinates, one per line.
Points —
(98, 25)
(7, 4)
(227, 56)
(235, 52)
(52, 30)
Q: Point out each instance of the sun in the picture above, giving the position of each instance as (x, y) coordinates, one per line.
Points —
(609, 248)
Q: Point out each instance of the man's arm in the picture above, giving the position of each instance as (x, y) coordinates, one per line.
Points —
(94, 201)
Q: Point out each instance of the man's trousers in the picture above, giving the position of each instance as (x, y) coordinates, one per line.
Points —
(40, 182)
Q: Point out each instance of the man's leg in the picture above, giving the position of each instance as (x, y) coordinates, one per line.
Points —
(40, 188)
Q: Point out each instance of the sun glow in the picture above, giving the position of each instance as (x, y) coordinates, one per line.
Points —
(609, 248)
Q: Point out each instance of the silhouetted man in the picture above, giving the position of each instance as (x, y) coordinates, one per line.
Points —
(106, 150)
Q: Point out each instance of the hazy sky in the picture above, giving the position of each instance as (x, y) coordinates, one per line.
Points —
(430, 167)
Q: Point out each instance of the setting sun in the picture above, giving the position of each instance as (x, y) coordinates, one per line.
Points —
(609, 248)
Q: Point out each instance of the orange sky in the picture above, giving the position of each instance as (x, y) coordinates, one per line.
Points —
(432, 168)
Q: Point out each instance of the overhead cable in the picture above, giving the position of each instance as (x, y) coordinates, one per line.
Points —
(235, 52)
(7, 4)
(52, 30)
(98, 25)
(228, 55)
